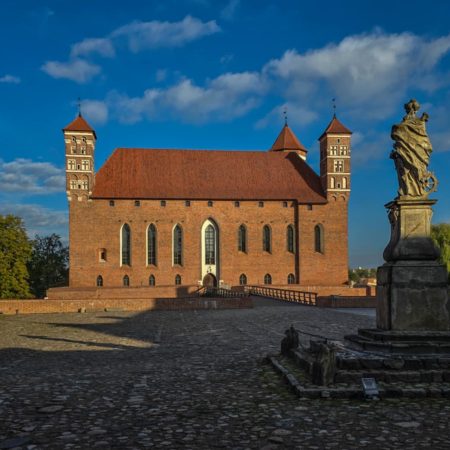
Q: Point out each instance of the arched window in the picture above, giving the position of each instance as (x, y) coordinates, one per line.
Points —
(210, 245)
(126, 280)
(151, 245)
(177, 245)
(318, 238)
(267, 239)
(178, 279)
(99, 281)
(267, 278)
(290, 239)
(344, 183)
(125, 243)
(332, 183)
(242, 239)
(151, 280)
(243, 279)
(291, 278)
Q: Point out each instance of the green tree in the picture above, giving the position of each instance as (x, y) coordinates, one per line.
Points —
(441, 236)
(15, 251)
(48, 266)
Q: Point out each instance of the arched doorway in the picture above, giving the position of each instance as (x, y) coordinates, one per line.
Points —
(209, 280)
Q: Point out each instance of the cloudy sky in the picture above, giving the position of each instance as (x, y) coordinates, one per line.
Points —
(218, 74)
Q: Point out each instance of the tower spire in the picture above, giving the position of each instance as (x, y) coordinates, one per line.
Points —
(334, 107)
(79, 106)
(285, 116)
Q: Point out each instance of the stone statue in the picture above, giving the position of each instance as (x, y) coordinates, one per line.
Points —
(411, 154)
(290, 342)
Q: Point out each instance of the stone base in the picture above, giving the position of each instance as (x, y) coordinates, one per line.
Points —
(413, 296)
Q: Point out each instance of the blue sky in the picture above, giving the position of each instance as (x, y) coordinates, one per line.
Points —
(218, 74)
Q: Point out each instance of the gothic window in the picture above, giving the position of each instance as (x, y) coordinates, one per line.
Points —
(99, 281)
(318, 238)
(177, 245)
(151, 245)
(339, 166)
(242, 239)
(84, 185)
(291, 278)
(210, 245)
(126, 280)
(178, 280)
(73, 184)
(151, 280)
(267, 239)
(267, 278)
(344, 183)
(102, 255)
(242, 279)
(290, 239)
(71, 164)
(85, 164)
(332, 183)
(125, 242)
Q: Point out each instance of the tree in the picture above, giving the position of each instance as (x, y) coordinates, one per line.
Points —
(48, 266)
(441, 236)
(15, 251)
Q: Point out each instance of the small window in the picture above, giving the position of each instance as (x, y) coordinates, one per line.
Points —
(243, 279)
(318, 239)
(210, 202)
(178, 280)
(74, 140)
(267, 278)
(291, 278)
(338, 140)
(237, 204)
(163, 203)
(85, 164)
(126, 280)
(261, 204)
(99, 281)
(102, 255)
(187, 203)
(84, 139)
(267, 239)
(137, 203)
(111, 203)
(285, 204)
(151, 280)
(310, 207)
(73, 184)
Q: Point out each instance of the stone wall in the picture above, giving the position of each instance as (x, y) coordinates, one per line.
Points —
(337, 301)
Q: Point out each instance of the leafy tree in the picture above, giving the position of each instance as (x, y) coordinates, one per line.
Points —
(48, 266)
(15, 251)
(355, 275)
(441, 236)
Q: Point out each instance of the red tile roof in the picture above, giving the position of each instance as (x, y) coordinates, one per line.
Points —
(335, 127)
(79, 124)
(207, 174)
(287, 140)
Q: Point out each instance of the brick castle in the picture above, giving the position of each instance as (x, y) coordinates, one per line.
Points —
(159, 217)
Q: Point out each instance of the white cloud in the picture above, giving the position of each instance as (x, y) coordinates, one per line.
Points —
(24, 176)
(77, 70)
(101, 46)
(223, 98)
(95, 110)
(10, 79)
(38, 219)
(230, 9)
(157, 34)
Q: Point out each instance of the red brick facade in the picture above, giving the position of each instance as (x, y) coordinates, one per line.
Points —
(96, 223)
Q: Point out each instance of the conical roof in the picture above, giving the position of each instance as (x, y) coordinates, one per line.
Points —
(335, 127)
(79, 124)
(287, 140)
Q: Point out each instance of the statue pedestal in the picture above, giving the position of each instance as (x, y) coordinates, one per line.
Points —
(412, 288)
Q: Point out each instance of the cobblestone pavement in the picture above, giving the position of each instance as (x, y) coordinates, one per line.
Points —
(186, 380)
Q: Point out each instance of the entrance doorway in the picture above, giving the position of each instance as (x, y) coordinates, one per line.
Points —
(209, 280)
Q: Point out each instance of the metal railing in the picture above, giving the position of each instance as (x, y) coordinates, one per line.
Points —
(288, 295)
(207, 291)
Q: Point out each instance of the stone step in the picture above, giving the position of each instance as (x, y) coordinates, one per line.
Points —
(393, 376)
(404, 336)
(388, 363)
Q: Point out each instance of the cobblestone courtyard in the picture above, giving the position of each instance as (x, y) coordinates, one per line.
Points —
(186, 380)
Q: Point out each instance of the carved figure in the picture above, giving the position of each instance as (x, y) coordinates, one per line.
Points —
(411, 154)
(290, 342)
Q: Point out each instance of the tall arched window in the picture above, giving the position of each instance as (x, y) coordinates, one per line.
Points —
(242, 239)
(210, 245)
(243, 279)
(126, 280)
(125, 242)
(291, 278)
(151, 245)
(178, 279)
(267, 239)
(177, 245)
(99, 281)
(344, 183)
(332, 182)
(290, 239)
(318, 238)
(267, 278)
(151, 280)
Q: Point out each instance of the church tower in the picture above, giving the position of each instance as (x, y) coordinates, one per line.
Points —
(79, 138)
(287, 142)
(335, 156)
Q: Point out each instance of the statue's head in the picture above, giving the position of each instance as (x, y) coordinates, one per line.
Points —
(412, 106)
